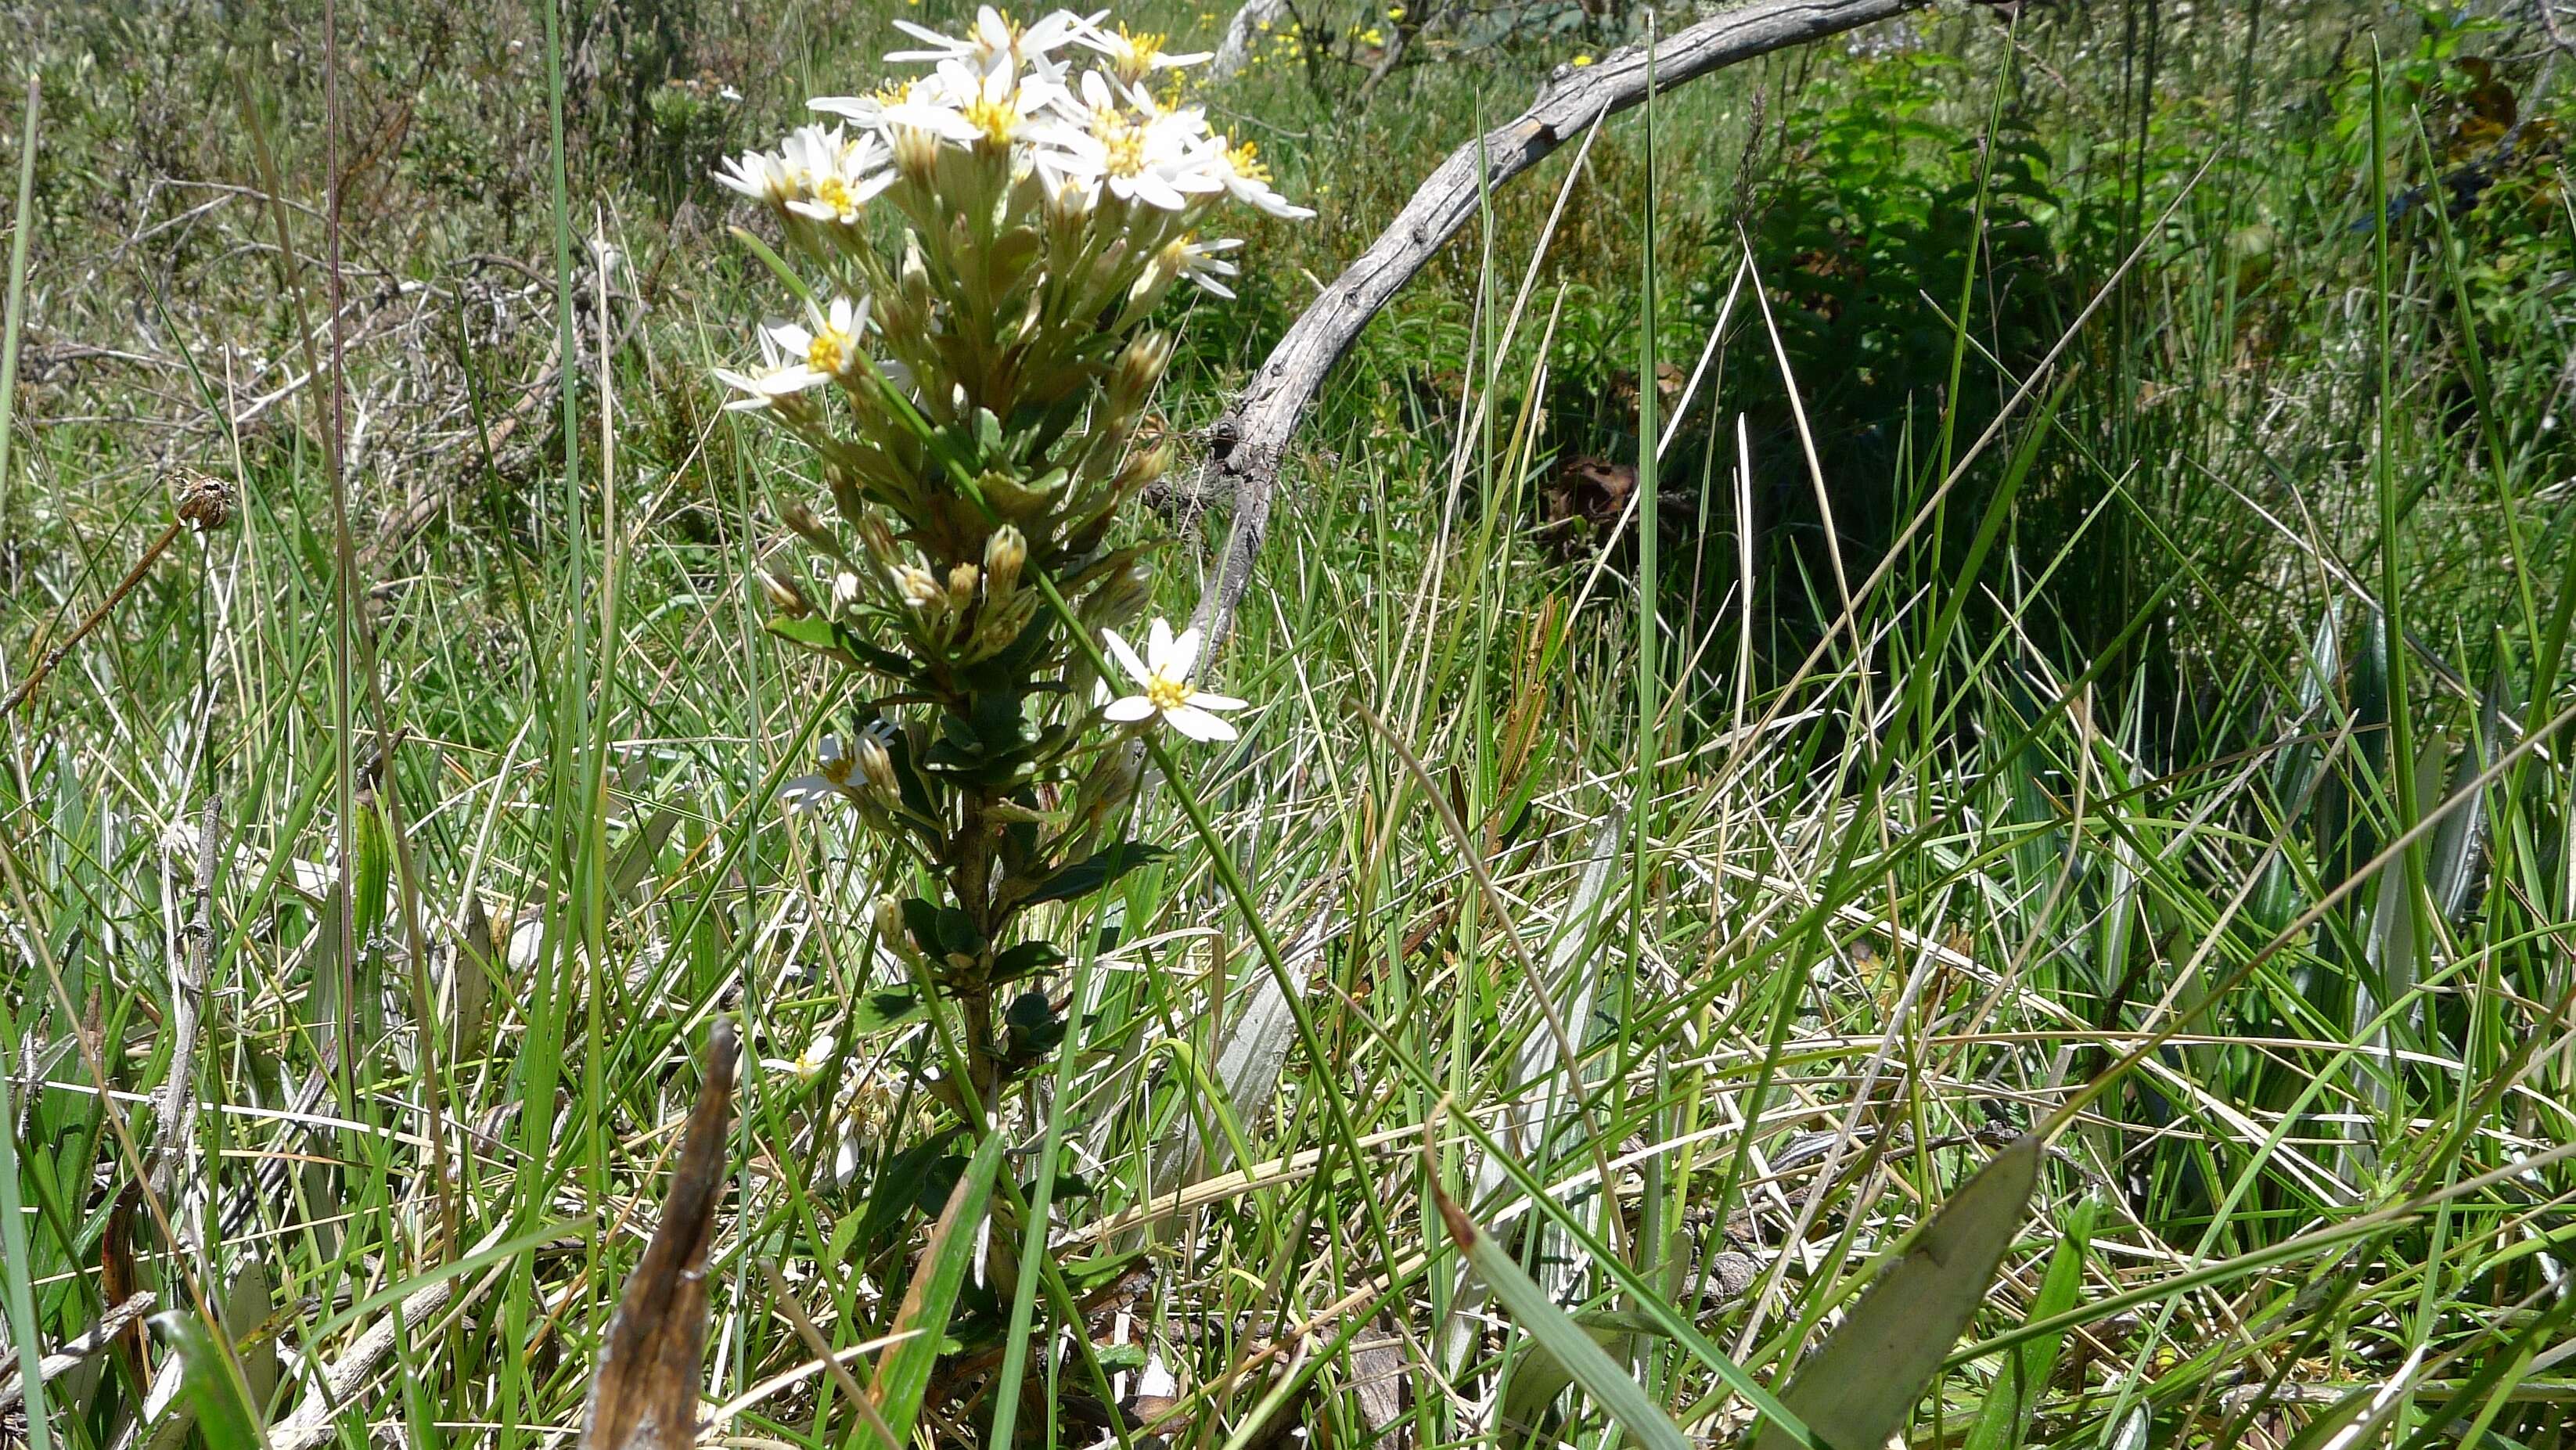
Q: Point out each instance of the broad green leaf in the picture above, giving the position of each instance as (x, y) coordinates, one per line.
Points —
(209, 1385)
(903, 1374)
(1856, 1391)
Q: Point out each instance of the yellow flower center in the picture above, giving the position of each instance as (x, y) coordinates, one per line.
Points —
(834, 193)
(1125, 143)
(997, 119)
(828, 353)
(1136, 57)
(1165, 693)
(1247, 163)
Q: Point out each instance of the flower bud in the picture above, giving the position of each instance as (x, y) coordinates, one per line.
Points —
(1110, 783)
(913, 278)
(879, 541)
(845, 594)
(811, 528)
(846, 496)
(875, 764)
(783, 595)
(1139, 368)
(917, 586)
(1004, 553)
(890, 932)
(961, 586)
(916, 154)
(1121, 598)
(1142, 467)
(997, 627)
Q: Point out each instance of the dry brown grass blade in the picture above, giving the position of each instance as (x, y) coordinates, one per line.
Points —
(645, 1395)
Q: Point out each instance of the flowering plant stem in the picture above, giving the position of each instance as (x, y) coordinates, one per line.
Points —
(972, 377)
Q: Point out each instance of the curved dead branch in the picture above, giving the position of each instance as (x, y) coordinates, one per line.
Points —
(1247, 443)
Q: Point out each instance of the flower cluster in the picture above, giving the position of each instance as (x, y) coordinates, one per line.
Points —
(979, 247)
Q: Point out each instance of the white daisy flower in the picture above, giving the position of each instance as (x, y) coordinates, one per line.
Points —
(1149, 156)
(799, 356)
(807, 1065)
(862, 167)
(1202, 263)
(1163, 677)
(1135, 54)
(781, 374)
(760, 176)
(867, 111)
(995, 107)
(993, 41)
(1241, 171)
(832, 779)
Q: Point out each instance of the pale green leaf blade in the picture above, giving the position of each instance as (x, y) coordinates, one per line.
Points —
(904, 1374)
(1857, 1390)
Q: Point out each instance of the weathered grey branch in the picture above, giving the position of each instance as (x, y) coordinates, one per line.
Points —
(1247, 444)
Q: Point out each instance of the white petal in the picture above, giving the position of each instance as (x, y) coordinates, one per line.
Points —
(1184, 654)
(1198, 724)
(1125, 654)
(1129, 710)
(1158, 648)
(1201, 699)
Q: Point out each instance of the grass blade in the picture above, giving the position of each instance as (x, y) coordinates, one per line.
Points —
(1573, 1347)
(2006, 1416)
(903, 1375)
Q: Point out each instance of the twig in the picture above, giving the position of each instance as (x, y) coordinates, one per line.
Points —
(1247, 444)
(80, 1347)
(205, 504)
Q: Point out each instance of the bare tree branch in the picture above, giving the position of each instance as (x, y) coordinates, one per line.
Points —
(1247, 444)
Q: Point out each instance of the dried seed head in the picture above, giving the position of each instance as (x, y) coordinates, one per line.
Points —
(205, 501)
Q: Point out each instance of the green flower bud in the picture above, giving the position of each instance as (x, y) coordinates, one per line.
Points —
(876, 764)
(783, 595)
(879, 541)
(1121, 598)
(1139, 368)
(810, 527)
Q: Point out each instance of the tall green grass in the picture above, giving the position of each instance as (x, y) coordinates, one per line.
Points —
(1713, 897)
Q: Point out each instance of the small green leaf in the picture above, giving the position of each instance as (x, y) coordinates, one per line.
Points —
(895, 1191)
(1092, 873)
(881, 1012)
(1856, 1391)
(921, 923)
(1024, 959)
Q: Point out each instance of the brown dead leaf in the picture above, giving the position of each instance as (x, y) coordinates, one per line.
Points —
(645, 1395)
